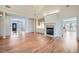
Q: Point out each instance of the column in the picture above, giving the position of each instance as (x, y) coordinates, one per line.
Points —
(4, 24)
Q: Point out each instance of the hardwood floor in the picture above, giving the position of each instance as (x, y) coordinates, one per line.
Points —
(32, 43)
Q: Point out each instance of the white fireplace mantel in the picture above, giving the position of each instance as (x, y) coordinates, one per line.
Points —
(50, 25)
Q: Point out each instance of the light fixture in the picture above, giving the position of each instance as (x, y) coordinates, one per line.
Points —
(53, 12)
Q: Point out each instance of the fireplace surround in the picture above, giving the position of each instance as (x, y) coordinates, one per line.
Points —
(49, 29)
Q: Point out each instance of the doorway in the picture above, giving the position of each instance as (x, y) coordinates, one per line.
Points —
(16, 28)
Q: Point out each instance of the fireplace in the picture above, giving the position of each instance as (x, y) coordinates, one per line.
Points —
(50, 31)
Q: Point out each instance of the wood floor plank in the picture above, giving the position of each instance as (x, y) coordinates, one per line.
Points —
(32, 43)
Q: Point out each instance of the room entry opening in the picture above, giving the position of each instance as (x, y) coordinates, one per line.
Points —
(14, 27)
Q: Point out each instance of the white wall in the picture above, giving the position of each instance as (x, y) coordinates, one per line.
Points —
(7, 25)
(30, 24)
(4, 27)
(1, 26)
(54, 18)
(78, 27)
(58, 28)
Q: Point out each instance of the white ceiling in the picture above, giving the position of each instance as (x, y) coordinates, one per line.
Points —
(35, 10)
